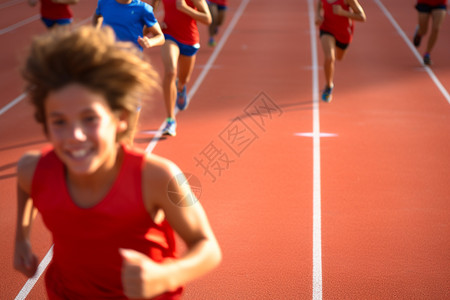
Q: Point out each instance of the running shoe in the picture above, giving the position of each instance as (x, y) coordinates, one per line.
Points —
(211, 42)
(427, 59)
(326, 94)
(417, 38)
(171, 127)
(182, 102)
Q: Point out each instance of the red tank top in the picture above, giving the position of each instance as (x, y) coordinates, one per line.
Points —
(340, 27)
(55, 11)
(180, 26)
(433, 2)
(86, 262)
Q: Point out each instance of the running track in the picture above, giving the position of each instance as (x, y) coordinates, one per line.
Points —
(346, 200)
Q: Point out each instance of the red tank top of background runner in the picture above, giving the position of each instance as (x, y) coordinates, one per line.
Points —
(180, 26)
(340, 27)
(55, 11)
(433, 2)
(86, 262)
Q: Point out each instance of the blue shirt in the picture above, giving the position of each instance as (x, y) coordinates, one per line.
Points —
(127, 20)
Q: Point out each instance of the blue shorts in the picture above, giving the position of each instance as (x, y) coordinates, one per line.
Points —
(219, 7)
(186, 50)
(426, 8)
(50, 23)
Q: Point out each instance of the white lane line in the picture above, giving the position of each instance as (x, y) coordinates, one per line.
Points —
(413, 50)
(317, 219)
(19, 24)
(12, 103)
(10, 3)
(311, 134)
(26, 289)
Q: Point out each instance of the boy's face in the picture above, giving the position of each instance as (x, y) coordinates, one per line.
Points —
(83, 129)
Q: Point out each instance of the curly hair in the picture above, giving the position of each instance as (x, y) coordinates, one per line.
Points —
(93, 58)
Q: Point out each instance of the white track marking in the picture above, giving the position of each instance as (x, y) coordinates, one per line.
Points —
(19, 24)
(317, 218)
(311, 134)
(32, 281)
(12, 103)
(10, 3)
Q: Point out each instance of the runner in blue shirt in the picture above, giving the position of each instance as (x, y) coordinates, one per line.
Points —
(131, 20)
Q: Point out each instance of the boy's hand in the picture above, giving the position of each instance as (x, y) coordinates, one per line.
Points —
(319, 20)
(144, 42)
(24, 260)
(32, 2)
(337, 10)
(141, 276)
(162, 24)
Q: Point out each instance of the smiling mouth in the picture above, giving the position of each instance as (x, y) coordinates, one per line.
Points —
(79, 153)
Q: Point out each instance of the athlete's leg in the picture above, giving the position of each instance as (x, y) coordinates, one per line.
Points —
(214, 16)
(221, 17)
(340, 53)
(185, 68)
(437, 17)
(170, 54)
(423, 20)
(328, 45)
(134, 124)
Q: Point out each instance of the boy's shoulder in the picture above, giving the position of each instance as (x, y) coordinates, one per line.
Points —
(159, 166)
(156, 170)
(29, 160)
(158, 173)
(25, 168)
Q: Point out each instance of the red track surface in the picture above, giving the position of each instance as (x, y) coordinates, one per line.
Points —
(385, 205)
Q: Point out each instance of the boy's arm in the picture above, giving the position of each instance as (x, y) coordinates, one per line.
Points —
(24, 259)
(187, 217)
(155, 4)
(152, 36)
(318, 13)
(356, 13)
(165, 190)
(97, 21)
(202, 14)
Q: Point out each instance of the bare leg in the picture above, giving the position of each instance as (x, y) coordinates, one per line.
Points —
(170, 53)
(437, 16)
(423, 21)
(214, 15)
(328, 46)
(340, 53)
(220, 17)
(185, 68)
(131, 135)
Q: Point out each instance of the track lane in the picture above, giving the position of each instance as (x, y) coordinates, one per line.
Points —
(385, 200)
(260, 207)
